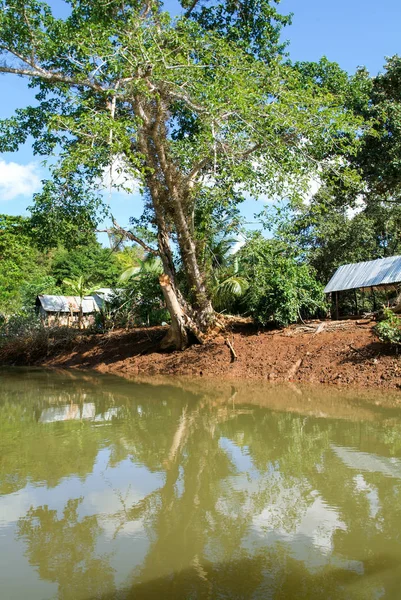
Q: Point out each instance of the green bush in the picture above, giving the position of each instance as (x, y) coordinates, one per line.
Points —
(141, 301)
(281, 289)
(389, 330)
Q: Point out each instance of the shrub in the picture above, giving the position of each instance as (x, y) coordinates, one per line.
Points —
(141, 302)
(389, 330)
(281, 289)
(24, 339)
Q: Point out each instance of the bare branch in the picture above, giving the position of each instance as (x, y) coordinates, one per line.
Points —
(36, 71)
(126, 234)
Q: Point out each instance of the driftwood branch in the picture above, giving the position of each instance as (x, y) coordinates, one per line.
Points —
(234, 356)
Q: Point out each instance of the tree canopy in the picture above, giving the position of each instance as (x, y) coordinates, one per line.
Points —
(350, 223)
(201, 109)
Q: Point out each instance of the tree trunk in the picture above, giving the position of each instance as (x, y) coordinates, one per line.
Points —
(80, 315)
(171, 201)
(202, 304)
(177, 335)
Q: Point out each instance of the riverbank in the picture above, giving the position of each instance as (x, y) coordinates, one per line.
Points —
(345, 353)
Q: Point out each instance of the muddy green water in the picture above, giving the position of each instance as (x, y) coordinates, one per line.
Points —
(116, 489)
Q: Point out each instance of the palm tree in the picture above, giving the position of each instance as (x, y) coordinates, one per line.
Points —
(152, 265)
(228, 285)
(80, 288)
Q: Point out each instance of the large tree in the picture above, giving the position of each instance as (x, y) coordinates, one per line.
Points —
(201, 109)
(350, 223)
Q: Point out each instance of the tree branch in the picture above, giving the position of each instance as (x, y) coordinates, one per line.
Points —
(198, 108)
(50, 76)
(124, 233)
(197, 168)
(191, 8)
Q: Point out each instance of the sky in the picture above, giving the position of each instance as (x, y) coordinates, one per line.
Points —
(350, 32)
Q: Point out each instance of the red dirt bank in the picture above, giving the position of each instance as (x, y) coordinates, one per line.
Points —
(342, 353)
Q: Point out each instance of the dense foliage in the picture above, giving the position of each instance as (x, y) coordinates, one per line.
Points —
(202, 110)
(389, 329)
(269, 283)
(139, 299)
(281, 289)
(21, 263)
(26, 271)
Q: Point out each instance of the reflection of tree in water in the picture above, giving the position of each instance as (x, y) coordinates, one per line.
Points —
(223, 465)
(203, 516)
(34, 451)
(63, 551)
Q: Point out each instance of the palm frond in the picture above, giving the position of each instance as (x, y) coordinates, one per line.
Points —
(234, 286)
(128, 273)
(150, 266)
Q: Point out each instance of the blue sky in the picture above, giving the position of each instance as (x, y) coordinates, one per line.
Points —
(350, 32)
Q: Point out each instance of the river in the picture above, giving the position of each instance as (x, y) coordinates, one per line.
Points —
(115, 489)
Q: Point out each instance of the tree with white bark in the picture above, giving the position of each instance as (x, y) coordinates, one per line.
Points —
(202, 110)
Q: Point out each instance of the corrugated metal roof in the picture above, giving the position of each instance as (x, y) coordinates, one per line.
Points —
(103, 295)
(383, 271)
(66, 304)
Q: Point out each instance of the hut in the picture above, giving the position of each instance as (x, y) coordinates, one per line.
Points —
(64, 310)
(380, 274)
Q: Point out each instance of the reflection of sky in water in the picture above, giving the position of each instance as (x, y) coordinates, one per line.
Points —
(371, 492)
(105, 492)
(108, 491)
(366, 461)
(309, 536)
(239, 456)
(76, 412)
(102, 491)
(289, 511)
(311, 539)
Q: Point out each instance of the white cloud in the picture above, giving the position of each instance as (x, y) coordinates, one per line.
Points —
(314, 186)
(358, 207)
(18, 180)
(119, 178)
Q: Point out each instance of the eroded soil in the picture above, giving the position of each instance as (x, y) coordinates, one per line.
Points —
(341, 353)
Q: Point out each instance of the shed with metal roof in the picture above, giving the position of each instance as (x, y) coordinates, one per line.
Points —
(64, 310)
(380, 273)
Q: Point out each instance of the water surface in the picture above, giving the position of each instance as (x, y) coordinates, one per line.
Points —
(116, 489)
